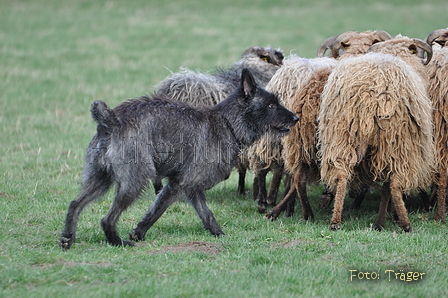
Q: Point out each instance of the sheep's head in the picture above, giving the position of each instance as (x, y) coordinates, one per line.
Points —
(439, 36)
(268, 54)
(352, 43)
(405, 48)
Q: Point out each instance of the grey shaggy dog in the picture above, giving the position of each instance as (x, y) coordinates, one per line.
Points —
(151, 138)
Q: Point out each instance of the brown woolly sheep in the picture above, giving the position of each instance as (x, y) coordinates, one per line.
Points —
(437, 70)
(375, 125)
(299, 83)
(199, 88)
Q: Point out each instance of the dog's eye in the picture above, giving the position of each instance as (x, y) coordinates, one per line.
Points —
(271, 106)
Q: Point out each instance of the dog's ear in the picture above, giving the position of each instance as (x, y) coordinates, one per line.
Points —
(248, 84)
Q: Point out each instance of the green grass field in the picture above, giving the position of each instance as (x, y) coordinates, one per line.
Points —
(56, 57)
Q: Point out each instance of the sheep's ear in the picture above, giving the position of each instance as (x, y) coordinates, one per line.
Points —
(248, 84)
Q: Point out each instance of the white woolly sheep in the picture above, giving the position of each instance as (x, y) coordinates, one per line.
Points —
(437, 70)
(375, 125)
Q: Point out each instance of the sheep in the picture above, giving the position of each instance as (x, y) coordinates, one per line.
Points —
(264, 156)
(199, 88)
(351, 43)
(299, 83)
(375, 125)
(437, 70)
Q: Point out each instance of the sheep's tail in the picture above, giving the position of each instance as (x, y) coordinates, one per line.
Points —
(103, 115)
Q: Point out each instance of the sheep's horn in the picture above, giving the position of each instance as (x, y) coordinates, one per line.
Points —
(327, 44)
(344, 37)
(276, 56)
(383, 35)
(249, 51)
(373, 47)
(425, 47)
(436, 34)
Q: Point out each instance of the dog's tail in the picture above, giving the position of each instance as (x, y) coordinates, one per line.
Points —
(103, 115)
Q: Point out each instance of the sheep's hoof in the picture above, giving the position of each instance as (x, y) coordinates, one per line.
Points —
(309, 216)
(407, 228)
(335, 226)
(270, 201)
(378, 227)
(325, 201)
(439, 217)
(271, 215)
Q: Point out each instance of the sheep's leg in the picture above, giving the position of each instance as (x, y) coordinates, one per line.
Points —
(398, 203)
(433, 195)
(341, 187)
(262, 195)
(300, 184)
(292, 201)
(441, 195)
(326, 198)
(275, 212)
(385, 199)
(358, 196)
(275, 184)
(241, 180)
(255, 186)
(425, 198)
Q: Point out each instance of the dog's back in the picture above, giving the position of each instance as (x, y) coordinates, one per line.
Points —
(157, 138)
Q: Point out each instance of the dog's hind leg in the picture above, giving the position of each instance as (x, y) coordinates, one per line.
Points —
(167, 196)
(126, 195)
(94, 187)
(197, 199)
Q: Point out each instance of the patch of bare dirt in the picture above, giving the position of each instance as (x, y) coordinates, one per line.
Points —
(193, 246)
